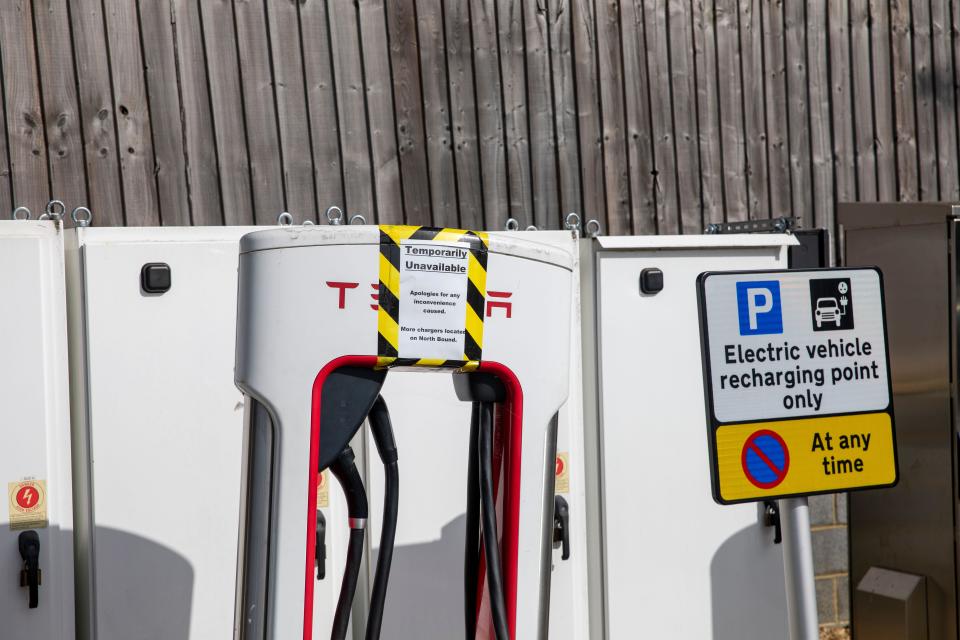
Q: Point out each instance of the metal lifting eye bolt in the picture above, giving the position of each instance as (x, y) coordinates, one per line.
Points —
(335, 215)
(285, 219)
(82, 217)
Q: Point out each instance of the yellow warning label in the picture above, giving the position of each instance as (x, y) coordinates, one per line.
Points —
(562, 484)
(323, 490)
(770, 459)
(27, 504)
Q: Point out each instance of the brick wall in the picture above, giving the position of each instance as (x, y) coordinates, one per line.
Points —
(828, 523)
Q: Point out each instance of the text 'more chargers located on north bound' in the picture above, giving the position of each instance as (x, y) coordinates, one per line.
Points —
(797, 383)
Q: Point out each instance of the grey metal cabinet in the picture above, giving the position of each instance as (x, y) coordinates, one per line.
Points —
(911, 528)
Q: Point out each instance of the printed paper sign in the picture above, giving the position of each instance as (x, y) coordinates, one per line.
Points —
(433, 299)
(27, 504)
(797, 382)
(323, 489)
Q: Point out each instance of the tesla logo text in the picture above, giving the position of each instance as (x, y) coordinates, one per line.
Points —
(500, 298)
(493, 304)
(343, 286)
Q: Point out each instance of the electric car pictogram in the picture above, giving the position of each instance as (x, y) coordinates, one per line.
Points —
(828, 310)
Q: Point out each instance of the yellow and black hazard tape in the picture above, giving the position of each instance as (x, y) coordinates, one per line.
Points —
(388, 316)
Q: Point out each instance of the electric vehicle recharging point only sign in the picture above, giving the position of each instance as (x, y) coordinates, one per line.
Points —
(797, 383)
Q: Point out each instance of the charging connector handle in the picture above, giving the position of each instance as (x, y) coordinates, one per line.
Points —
(345, 471)
(386, 444)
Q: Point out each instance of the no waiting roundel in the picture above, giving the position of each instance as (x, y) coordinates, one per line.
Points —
(765, 459)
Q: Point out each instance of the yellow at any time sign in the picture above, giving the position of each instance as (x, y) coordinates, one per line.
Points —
(797, 383)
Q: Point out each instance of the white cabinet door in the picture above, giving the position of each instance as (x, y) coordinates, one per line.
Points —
(677, 565)
(166, 430)
(34, 431)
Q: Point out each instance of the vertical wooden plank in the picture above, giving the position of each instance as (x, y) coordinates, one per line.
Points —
(156, 34)
(358, 188)
(731, 111)
(797, 110)
(778, 147)
(513, 77)
(708, 111)
(385, 163)
(562, 66)
(863, 93)
(134, 135)
(226, 98)
(685, 115)
(925, 96)
(486, 65)
(751, 38)
(841, 102)
(408, 101)
(27, 146)
(97, 114)
(463, 114)
(266, 174)
(199, 141)
(616, 169)
(590, 134)
(328, 170)
(882, 73)
(436, 112)
(60, 102)
(6, 186)
(908, 174)
(821, 143)
(295, 151)
(541, 117)
(646, 70)
(945, 101)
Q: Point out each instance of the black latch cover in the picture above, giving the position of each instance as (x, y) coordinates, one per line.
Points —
(155, 277)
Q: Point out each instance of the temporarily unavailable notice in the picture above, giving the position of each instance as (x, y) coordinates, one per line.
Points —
(433, 299)
(797, 382)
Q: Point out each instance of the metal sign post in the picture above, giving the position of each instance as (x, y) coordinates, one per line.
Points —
(797, 389)
(798, 569)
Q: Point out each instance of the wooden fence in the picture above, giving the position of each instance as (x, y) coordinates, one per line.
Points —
(650, 115)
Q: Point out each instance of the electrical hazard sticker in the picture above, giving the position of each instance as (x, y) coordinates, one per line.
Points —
(27, 504)
(797, 383)
(562, 473)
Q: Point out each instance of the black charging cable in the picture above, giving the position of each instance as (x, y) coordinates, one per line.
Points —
(383, 437)
(345, 470)
(491, 545)
(471, 544)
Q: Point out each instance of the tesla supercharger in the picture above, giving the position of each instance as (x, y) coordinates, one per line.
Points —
(159, 428)
(36, 529)
(663, 554)
(289, 344)
(433, 444)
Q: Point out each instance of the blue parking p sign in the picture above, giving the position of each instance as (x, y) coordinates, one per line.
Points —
(758, 306)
